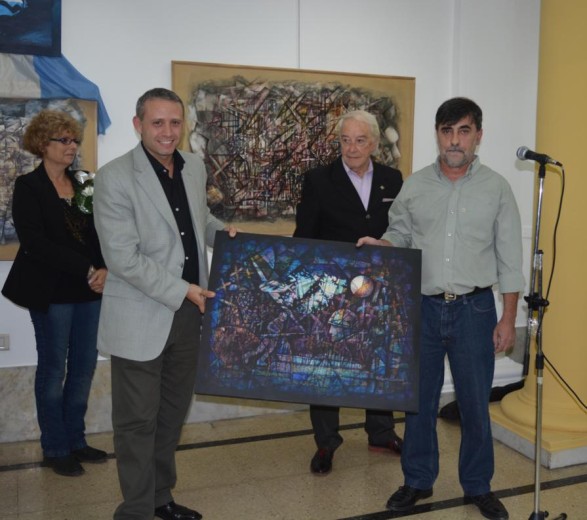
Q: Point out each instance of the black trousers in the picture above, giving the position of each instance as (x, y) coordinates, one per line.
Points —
(150, 400)
(379, 426)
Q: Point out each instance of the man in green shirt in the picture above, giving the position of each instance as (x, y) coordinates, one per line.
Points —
(464, 218)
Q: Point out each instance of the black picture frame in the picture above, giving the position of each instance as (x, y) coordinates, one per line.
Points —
(310, 321)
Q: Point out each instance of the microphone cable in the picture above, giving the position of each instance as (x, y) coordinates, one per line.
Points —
(549, 285)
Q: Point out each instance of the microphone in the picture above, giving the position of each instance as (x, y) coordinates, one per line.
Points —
(524, 153)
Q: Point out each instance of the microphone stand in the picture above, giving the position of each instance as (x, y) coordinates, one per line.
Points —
(536, 307)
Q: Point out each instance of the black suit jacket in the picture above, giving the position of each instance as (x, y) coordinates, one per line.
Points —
(331, 209)
(44, 258)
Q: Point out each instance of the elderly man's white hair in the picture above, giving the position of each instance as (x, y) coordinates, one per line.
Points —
(364, 117)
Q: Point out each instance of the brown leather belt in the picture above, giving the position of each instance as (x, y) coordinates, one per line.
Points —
(452, 297)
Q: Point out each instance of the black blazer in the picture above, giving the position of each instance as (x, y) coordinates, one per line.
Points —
(44, 258)
(331, 209)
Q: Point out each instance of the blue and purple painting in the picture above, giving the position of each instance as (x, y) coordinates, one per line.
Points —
(311, 321)
(30, 27)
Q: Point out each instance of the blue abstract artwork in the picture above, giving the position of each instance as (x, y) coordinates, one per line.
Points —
(311, 321)
(30, 27)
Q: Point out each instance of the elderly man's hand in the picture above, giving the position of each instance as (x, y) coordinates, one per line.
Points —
(370, 241)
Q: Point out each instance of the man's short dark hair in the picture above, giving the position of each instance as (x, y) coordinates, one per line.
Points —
(455, 109)
(157, 93)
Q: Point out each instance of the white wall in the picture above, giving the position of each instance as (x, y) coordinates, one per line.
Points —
(484, 50)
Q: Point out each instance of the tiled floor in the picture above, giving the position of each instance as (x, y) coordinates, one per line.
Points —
(258, 468)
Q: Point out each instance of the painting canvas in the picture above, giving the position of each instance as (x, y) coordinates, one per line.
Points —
(259, 129)
(310, 321)
(30, 27)
(15, 115)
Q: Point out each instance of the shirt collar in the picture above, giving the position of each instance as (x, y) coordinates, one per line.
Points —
(178, 162)
(349, 171)
(471, 170)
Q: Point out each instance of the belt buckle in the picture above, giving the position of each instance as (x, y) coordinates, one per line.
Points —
(449, 297)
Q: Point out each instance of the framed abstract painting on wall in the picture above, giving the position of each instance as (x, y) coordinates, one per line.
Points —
(259, 129)
(310, 321)
(30, 27)
(15, 115)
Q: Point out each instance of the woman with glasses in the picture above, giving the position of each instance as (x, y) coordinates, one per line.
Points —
(59, 274)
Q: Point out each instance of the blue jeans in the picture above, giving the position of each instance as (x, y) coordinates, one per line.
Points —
(66, 347)
(462, 330)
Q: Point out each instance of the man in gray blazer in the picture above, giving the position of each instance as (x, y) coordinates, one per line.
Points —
(153, 222)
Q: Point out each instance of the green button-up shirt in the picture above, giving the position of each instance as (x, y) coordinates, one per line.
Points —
(469, 230)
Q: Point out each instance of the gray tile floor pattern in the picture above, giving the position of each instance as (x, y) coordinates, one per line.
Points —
(258, 468)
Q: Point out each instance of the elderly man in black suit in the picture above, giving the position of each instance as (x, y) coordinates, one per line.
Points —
(344, 201)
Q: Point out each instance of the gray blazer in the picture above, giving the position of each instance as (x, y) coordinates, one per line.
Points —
(143, 251)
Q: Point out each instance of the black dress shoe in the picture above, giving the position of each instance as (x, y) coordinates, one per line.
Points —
(67, 466)
(173, 511)
(91, 455)
(321, 463)
(394, 445)
(405, 498)
(489, 505)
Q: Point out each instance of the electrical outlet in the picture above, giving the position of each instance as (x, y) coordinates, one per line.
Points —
(4, 341)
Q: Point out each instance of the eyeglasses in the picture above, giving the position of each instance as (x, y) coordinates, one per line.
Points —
(65, 140)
